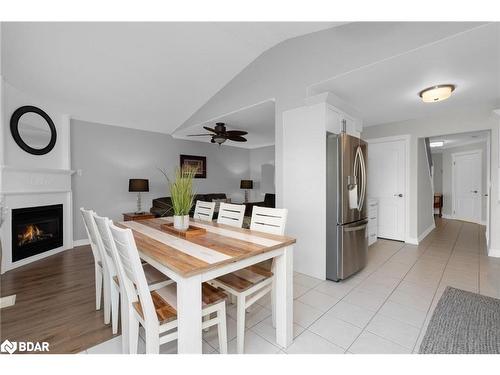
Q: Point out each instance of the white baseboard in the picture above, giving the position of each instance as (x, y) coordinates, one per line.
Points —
(83, 242)
(452, 217)
(426, 232)
(494, 253)
(7, 301)
(412, 241)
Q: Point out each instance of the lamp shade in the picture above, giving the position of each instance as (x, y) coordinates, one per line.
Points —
(246, 184)
(138, 185)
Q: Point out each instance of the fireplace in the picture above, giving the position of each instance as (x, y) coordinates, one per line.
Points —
(36, 230)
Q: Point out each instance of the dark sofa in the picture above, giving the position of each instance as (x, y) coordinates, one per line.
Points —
(269, 201)
(163, 206)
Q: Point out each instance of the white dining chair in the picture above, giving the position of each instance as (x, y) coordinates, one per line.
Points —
(252, 283)
(156, 310)
(96, 252)
(269, 220)
(204, 210)
(155, 279)
(231, 214)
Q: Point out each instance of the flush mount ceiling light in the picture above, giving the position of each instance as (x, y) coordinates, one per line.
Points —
(436, 93)
(437, 144)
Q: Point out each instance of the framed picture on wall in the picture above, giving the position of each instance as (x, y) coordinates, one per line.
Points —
(199, 163)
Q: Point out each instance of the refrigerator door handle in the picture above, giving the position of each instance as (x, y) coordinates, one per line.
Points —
(352, 184)
(363, 179)
(354, 229)
(355, 168)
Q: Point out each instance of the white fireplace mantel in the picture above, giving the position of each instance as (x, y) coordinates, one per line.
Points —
(31, 187)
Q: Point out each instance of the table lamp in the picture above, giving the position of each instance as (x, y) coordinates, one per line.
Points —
(247, 185)
(138, 185)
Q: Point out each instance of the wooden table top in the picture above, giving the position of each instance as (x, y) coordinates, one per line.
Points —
(220, 245)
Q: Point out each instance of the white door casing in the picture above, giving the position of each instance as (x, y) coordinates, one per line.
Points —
(467, 185)
(387, 182)
(488, 190)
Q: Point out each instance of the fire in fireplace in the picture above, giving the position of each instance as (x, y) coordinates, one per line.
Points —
(36, 230)
(32, 234)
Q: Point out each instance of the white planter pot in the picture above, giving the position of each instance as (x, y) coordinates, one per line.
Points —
(181, 222)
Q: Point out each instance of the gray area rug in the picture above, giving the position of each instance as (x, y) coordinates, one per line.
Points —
(463, 323)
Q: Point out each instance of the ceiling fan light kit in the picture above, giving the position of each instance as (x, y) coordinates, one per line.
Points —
(218, 139)
(220, 135)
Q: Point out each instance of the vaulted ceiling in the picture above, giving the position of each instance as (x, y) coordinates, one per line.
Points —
(150, 76)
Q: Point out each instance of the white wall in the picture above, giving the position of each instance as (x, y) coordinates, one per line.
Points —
(460, 121)
(447, 183)
(261, 172)
(305, 186)
(425, 193)
(108, 156)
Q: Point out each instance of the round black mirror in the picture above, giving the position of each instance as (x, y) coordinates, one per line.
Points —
(33, 130)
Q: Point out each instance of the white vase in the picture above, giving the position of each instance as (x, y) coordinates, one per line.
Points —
(181, 222)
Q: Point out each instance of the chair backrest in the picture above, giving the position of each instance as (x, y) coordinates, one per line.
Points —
(106, 244)
(269, 220)
(204, 210)
(231, 214)
(131, 272)
(88, 221)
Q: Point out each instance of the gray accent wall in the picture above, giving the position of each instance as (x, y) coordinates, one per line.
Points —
(108, 156)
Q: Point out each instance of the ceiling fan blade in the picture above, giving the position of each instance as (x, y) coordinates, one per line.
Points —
(209, 129)
(236, 132)
(198, 135)
(237, 138)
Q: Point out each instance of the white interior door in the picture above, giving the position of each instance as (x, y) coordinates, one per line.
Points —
(387, 183)
(467, 189)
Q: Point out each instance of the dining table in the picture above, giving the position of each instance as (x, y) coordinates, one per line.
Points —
(218, 250)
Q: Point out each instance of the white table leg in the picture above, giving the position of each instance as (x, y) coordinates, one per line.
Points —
(189, 315)
(284, 297)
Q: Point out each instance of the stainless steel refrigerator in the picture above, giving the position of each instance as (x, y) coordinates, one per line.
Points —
(346, 211)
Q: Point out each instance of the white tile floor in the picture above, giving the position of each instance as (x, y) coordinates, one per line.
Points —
(385, 308)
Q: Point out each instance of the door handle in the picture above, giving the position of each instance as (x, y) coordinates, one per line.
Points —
(399, 195)
(354, 229)
(474, 191)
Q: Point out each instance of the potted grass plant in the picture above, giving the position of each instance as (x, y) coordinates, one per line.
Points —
(181, 194)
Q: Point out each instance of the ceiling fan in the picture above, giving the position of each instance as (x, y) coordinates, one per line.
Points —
(220, 135)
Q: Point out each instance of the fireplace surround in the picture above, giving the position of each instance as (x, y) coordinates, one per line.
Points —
(36, 230)
(28, 180)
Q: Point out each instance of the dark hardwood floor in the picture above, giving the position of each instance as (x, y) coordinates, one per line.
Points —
(55, 302)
